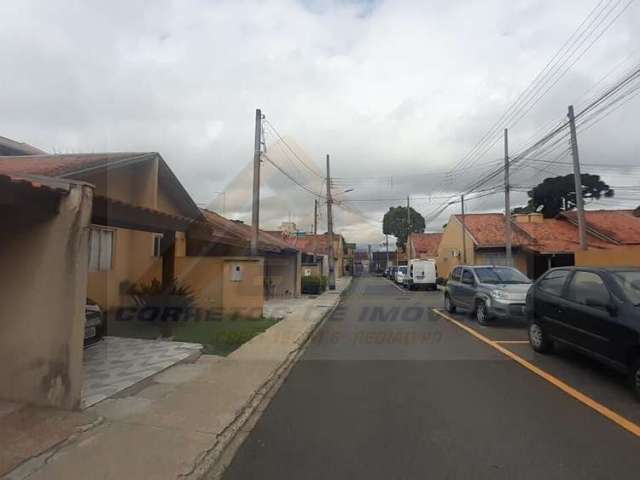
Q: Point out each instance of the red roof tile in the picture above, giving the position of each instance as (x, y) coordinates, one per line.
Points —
(318, 244)
(487, 230)
(621, 226)
(63, 165)
(556, 236)
(425, 243)
(242, 233)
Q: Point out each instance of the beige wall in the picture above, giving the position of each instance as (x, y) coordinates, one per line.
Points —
(452, 241)
(133, 250)
(210, 279)
(42, 299)
(619, 256)
(245, 296)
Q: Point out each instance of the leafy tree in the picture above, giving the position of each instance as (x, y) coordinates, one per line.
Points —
(557, 194)
(395, 223)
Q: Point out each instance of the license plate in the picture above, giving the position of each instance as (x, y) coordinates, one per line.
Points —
(90, 332)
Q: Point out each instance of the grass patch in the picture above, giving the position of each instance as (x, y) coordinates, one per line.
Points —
(223, 336)
(218, 337)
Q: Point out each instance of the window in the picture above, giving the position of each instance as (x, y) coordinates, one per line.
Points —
(588, 285)
(553, 281)
(630, 283)
(157, 251)
(497, 275)
(467, 277)
(100, 249)
(455, 274)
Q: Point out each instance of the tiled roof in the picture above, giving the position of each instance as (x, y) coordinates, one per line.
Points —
(77, 164)
(242, 233)
(318, 244)
(11, 147)
(557, 235)
(425, 243)
(64, 165)
(487, 230)
(622, 226)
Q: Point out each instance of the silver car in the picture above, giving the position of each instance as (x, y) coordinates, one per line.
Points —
(487, 291)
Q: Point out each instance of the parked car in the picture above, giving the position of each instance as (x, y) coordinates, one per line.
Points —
(422, 274)
(94, 323)
(385, 274)
(401, 271)
(593, 310)
(392, 273)
(487, 291)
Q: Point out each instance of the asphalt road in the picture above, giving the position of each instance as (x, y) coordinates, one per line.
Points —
(388, 389)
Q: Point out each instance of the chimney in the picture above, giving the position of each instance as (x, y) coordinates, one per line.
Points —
(528, 218)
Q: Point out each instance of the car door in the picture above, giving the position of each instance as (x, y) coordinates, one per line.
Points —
(467, 287)
(453, 285)
(548, 301)
(588, 319)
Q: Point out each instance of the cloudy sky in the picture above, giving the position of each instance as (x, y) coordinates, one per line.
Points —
(397, 91)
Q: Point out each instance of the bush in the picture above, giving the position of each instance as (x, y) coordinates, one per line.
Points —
(153, 294)
(314, 284)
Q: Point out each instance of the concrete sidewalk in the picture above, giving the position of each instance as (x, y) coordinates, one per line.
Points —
(178, 423)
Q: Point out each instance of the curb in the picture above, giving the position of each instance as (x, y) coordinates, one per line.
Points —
(214, 461)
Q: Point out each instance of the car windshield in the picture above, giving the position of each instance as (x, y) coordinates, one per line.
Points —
(500, 275)
(629, 281)
(402, 269)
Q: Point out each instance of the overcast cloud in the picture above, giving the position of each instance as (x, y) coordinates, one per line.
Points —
(398, 89)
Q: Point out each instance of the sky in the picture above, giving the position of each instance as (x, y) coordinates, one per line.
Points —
(396, 91)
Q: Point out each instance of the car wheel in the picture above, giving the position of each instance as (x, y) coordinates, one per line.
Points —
(448, 304)
(482, 316)
(635, 378)
(538, 339)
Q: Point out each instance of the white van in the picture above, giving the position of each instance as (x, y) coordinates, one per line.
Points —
(421, 274)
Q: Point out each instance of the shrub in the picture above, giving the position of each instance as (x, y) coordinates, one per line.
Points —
(153, 294)
(313, 284)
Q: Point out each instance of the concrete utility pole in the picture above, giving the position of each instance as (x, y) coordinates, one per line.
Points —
(255, 206)
(386, 242)
(464, 233)
(577, 177)
(315, 216)
(406, 245)
(332, 266)
(507, 201)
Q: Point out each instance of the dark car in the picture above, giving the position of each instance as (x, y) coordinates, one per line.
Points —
(94, 323)
(593, 310)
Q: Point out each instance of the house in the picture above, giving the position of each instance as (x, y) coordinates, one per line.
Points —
(282, 262)
(613, 238)
(319, 245)
(43, 252)
(423, 245)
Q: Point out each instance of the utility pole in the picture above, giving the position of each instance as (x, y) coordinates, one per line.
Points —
(255, 206)
(507, 201)
(577, 177)
(386, 242)
(406, 245)
(332, 266)
(315, 216)
(464, 233)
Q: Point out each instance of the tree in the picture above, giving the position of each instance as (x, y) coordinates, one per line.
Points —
(395, 223)
(558, 194)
